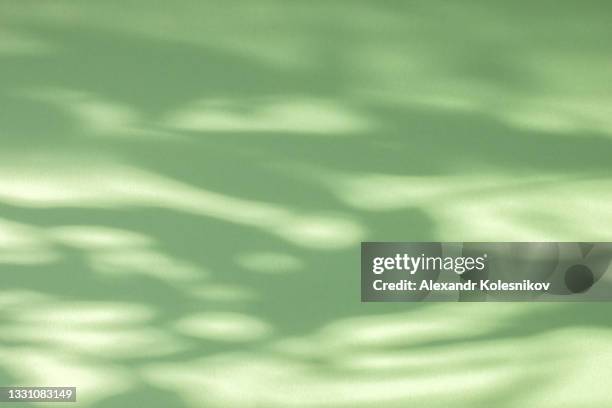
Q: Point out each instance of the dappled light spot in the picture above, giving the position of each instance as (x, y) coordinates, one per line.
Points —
(265, 380)
(380, 192)
(83, 313)
(93, 115)
(224, 327)
(93, 378)
(541, 120)
(222, 293)
(21, 244)
(101, 183)
(269, 262)
(504, 206)
(101, 342)
(422, 326)
(145, 262)
(444, 366)
(389, 331)
(571, 117)
(272, 115)
(18, 298)
(321, 232)
(93, 237)
(29, 256)
(106, 330)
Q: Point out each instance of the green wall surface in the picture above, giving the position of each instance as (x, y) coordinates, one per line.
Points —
(184, 186)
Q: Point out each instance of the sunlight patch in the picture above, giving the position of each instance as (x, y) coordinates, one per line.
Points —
(98, 237)
(224, 326)
(268, 116)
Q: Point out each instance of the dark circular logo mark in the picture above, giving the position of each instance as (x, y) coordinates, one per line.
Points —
(579, 278)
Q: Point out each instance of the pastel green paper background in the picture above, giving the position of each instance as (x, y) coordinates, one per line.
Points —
(184, 186)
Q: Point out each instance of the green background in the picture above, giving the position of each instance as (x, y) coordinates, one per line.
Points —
(184, 186)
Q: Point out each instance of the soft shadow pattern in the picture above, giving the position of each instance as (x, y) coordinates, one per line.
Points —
(184, 186)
